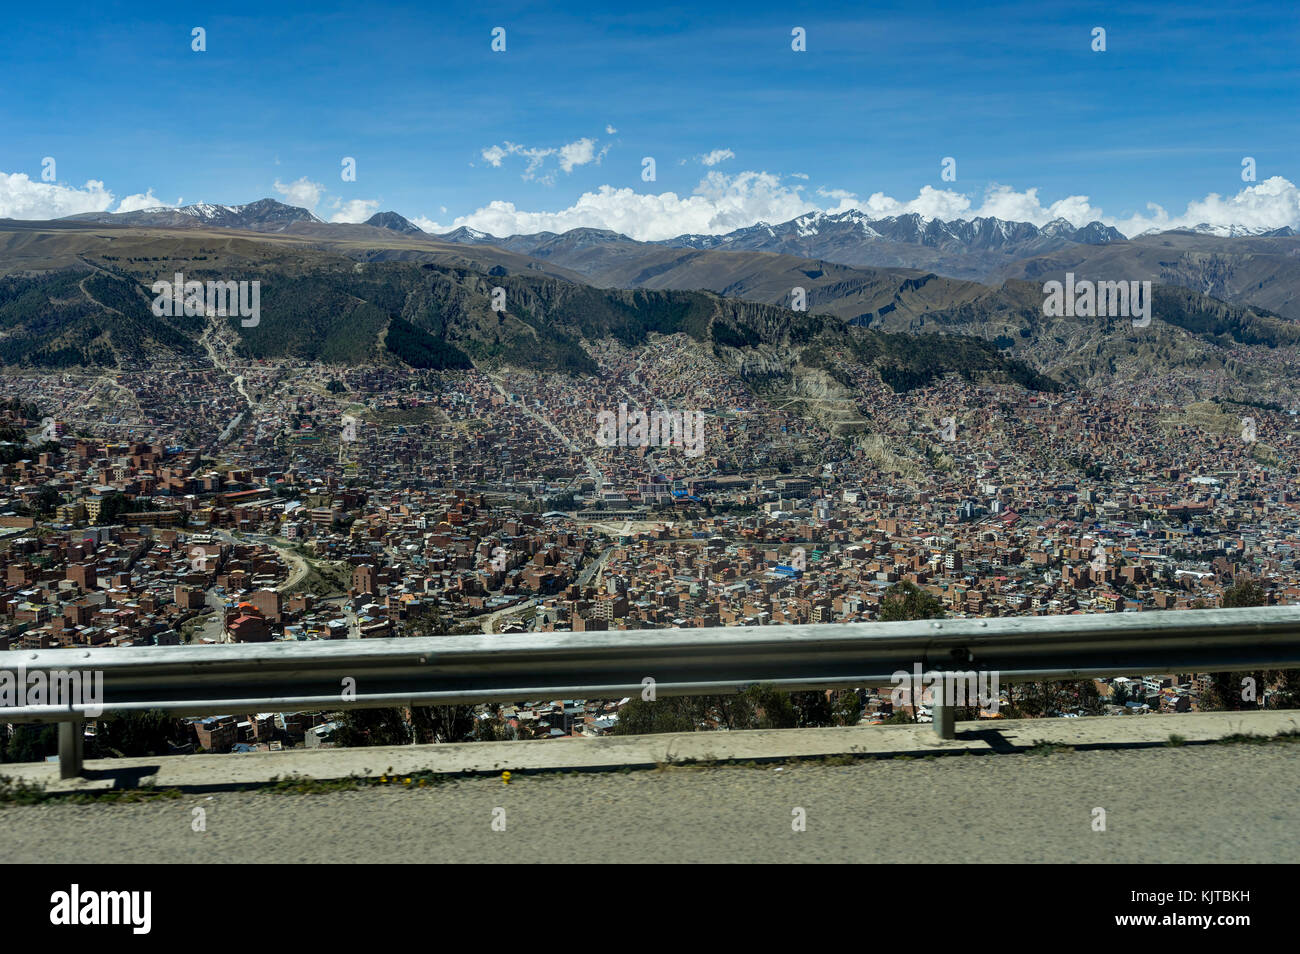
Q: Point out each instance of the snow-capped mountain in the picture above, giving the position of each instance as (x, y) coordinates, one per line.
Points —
(825, 235)
(560, 246)
(831, 235)
(264, 215)
(1232, 231)
(974, 248)
(468, 236)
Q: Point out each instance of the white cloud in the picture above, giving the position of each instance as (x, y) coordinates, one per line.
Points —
(301, 192)
(535, 158)
(578, 154)
(354, 210)
(134, 203)
(568, 156)
(23, 198)
(999, 201)
(720, 203)
(495, 155)
(717, 156)
(610, 130)
(1270, 204)
(844, 199)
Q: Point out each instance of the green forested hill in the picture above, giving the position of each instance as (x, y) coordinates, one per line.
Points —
(427, 316)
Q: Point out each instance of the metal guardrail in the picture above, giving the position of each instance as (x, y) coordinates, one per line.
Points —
(443, 670)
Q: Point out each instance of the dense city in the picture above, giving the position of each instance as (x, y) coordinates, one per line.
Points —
(277, 502)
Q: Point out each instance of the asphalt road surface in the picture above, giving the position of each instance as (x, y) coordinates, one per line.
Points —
(1209, 803)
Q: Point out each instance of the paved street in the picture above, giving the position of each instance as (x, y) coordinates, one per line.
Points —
(1210, 803)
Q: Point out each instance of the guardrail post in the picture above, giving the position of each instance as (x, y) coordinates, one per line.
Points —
(71, 747)
(944, 721)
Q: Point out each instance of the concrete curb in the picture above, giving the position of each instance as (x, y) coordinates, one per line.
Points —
(214, 772)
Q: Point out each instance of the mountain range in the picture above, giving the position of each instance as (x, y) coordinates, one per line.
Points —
(1238, 264)
(264, 215)
(1226, 307)
(962, 248)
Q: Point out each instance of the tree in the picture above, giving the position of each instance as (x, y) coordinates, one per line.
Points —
(564, 501)
(734, 712)
(443, 723)
(494, 727)
(431, 624)
(812, 709)
(1035, 700)
(138, 734)
(1244, 593)
(848, 708)
(907, 601)
(419, 724)
(1223, 692)
(1119, 694)
(47, 498)
(1088, 697)
(760, 706)
(493, 730)
(772, 708)
(112, 506)
(1286, 691)
(109, 508)
(646, 717)
(1225, 689)
(364, 727)
(32, 743)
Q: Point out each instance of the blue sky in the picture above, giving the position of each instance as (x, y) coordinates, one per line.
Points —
(1012, 91)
